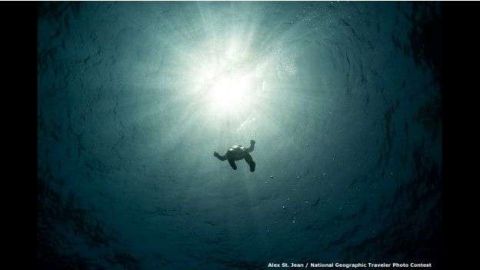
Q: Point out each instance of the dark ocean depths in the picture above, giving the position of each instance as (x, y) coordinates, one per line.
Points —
(342, 98)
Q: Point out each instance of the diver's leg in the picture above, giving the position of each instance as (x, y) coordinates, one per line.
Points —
(250, 162)
(252, 146)
(232, 163)
(222, 158)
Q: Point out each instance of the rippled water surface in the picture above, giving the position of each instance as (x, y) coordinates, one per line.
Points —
(343, 100)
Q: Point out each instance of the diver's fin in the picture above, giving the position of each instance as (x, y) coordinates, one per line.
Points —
(232, 163)
(252, 165)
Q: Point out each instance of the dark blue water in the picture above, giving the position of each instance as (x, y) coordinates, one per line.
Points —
(343, 100)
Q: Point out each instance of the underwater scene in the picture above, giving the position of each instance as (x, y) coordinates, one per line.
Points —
(238, 135)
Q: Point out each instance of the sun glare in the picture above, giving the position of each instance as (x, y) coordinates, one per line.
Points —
(227, 79)
(230, 92)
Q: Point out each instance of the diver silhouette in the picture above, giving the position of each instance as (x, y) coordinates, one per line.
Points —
(238, 152)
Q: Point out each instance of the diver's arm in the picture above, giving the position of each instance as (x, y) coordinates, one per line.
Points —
(252, 146)
(222, 158)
